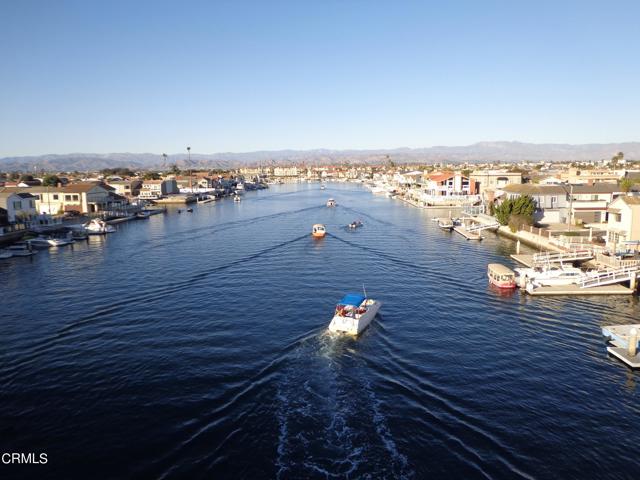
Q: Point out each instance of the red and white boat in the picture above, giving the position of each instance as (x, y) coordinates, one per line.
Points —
(501, 276)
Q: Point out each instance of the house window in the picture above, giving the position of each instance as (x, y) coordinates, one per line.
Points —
(76, 197)
(55, 196)
(554, 202)
(17, 205)
(32, 203)
(67, 198)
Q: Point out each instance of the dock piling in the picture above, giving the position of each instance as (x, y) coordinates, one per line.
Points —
(518, 247)
(633, 342)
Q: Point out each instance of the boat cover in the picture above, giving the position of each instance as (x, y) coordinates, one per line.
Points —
(354, 299)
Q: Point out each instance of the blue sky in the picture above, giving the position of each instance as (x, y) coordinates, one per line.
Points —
(91, 76)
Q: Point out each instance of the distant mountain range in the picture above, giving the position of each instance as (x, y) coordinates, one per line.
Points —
(476, 153)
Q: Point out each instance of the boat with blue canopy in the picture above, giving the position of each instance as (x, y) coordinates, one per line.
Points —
(353, 314)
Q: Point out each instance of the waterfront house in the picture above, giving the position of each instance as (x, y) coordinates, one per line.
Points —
(590, 176)
(126, 188)
(492, 180)
(563, 203)
(623, 224)
(285, 171)
(20, 206)
(154, 189)
(448, 184)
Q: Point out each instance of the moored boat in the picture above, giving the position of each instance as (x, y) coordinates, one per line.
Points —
(21, 249)
(236, 198)
(551, 275)
(142, 215)
(446, 224)
(5, 254)
(353, 314)
(47, 242)
(98, 227)
(501, 276)
(318, 230)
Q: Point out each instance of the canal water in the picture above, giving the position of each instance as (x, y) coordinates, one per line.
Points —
(194, 345)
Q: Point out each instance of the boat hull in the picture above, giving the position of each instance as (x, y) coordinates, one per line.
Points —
(354, 326)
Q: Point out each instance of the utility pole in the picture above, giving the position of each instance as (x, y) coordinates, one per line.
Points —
(190, 177)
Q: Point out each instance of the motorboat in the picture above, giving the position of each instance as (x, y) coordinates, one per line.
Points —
(98, 227)
(21, 249)
(236, 198)
(318, 230)
(190, 210)
(46, 242)
(355, 224)
(551, 275)
(5, 254)
(322, 187)
(331, 203)
(353, 314)
(143, 215)
(446, 224)
(501, 276)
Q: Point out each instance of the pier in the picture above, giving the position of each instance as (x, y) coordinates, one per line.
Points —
(575, 289)
(624, 343)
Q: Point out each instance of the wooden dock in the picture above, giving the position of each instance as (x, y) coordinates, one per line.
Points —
(623, 355)
(524, 259)
(576, 290)
(468, 235)
(618, 335)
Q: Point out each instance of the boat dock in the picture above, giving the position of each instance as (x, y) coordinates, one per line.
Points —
(624, 341)
(575, 289)
(524, 259)
(467, 234)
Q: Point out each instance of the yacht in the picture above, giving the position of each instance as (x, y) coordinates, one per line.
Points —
(98, 227)
(353, 314)
(318, 230)
(331, 203)
(46, 242)
(551, 275)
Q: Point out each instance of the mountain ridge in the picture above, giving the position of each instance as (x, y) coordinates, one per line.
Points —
(485, 151)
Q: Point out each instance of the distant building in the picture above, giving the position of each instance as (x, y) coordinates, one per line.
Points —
(154, 189)
(126, 188)
(448, 184)
(578, 175)
(285, 171)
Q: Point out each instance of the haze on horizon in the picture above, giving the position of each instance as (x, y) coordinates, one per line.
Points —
(252, 76)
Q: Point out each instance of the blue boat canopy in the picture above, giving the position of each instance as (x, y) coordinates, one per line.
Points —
(354, 299)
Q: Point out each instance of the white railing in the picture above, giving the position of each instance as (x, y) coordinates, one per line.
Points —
(482, 226)
(609, 277)
(550, 257)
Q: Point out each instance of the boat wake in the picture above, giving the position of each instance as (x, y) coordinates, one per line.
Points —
(330, 421)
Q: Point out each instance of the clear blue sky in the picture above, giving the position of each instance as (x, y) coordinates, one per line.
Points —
(137, 76)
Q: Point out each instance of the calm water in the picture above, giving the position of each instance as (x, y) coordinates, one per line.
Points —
(194, 346)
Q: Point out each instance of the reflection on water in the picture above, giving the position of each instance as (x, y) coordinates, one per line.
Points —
(195, 346)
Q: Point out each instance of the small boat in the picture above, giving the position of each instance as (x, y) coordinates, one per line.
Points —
(331, 203)
(353, 314)
(318, 230)
(501, 276)
(236, 198)
(21, 249)
(322, 187)
(551, 275)
(5, 254)
(355, 224)
(446, 224)
(46, 242)
(142, 215)
(98, 227)
(190, 210)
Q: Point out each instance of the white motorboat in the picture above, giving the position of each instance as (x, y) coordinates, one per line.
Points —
(331, 203)
(5, 254)
(21, 250)
(236, 198)
(353, 314)
(551, 275)
(322, 187)
(445, 224)
(98, 227)
(46, 242)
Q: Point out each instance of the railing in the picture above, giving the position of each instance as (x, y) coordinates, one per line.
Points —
(609, 277)
(482, 226)
(615, 262)
(549, 257)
